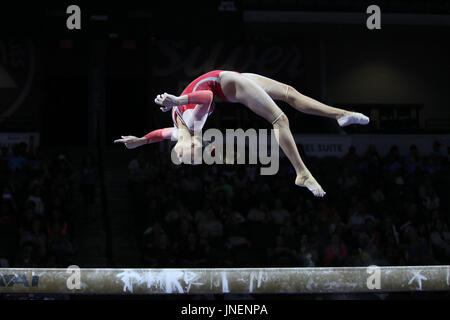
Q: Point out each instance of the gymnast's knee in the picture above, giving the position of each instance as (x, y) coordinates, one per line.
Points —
(281, 121)
(290, 94)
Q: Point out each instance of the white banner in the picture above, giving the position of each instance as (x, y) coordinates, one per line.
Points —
(324, 145)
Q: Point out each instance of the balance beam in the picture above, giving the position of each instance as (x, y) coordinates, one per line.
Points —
(222, 281)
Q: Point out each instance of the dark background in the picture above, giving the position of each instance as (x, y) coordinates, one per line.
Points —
(82, 89)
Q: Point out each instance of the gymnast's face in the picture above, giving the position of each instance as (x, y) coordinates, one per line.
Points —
(188, 144)
(186, 147)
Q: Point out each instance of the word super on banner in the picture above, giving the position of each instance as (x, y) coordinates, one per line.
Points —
(180, 62)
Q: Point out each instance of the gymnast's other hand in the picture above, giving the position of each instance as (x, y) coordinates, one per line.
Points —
(131, 142)
(167, 101)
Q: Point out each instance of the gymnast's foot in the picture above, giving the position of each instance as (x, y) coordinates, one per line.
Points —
(353, 118)
(310, 183)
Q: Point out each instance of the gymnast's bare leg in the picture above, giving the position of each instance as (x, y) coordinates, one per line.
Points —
(280, 91)
(238, 88)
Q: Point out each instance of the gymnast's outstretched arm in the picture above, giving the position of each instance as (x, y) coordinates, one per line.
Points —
(158, 135)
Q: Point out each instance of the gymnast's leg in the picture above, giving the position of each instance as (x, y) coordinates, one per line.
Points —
(240, 89)
(280, 91)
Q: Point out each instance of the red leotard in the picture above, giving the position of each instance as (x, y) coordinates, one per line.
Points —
(208, 81)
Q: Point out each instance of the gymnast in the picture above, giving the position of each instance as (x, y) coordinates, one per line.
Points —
(191, 109)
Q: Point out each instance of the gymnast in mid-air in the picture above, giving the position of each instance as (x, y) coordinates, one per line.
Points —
(191, 109)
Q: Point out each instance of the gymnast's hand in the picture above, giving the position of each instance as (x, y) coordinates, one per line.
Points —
(131, 142)
(167, 101)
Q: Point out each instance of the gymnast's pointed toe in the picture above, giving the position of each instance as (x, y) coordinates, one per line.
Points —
(353, 118)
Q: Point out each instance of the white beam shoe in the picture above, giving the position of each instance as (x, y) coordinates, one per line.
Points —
(353, 118)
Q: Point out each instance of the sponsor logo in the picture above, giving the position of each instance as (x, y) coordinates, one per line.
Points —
(12, 280)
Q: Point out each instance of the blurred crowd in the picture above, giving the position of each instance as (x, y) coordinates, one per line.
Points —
(383, 210)
(35, 208)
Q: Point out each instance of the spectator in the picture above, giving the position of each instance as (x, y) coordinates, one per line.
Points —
(417, 250)
(88, 179)
(336, 252)
(279, 214)
(280, 254)
(307, 253)
(412, 161)
(156, 252)
(211, 226)
(36, 237)
(193, 255)
(8, 229)
(257, 214)
(437, 158)
(36, 198)
(138, 170)
(58, 242)
(347, 180)
(440, 240)
(351, 159)
(17, 158)
(26, 257)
